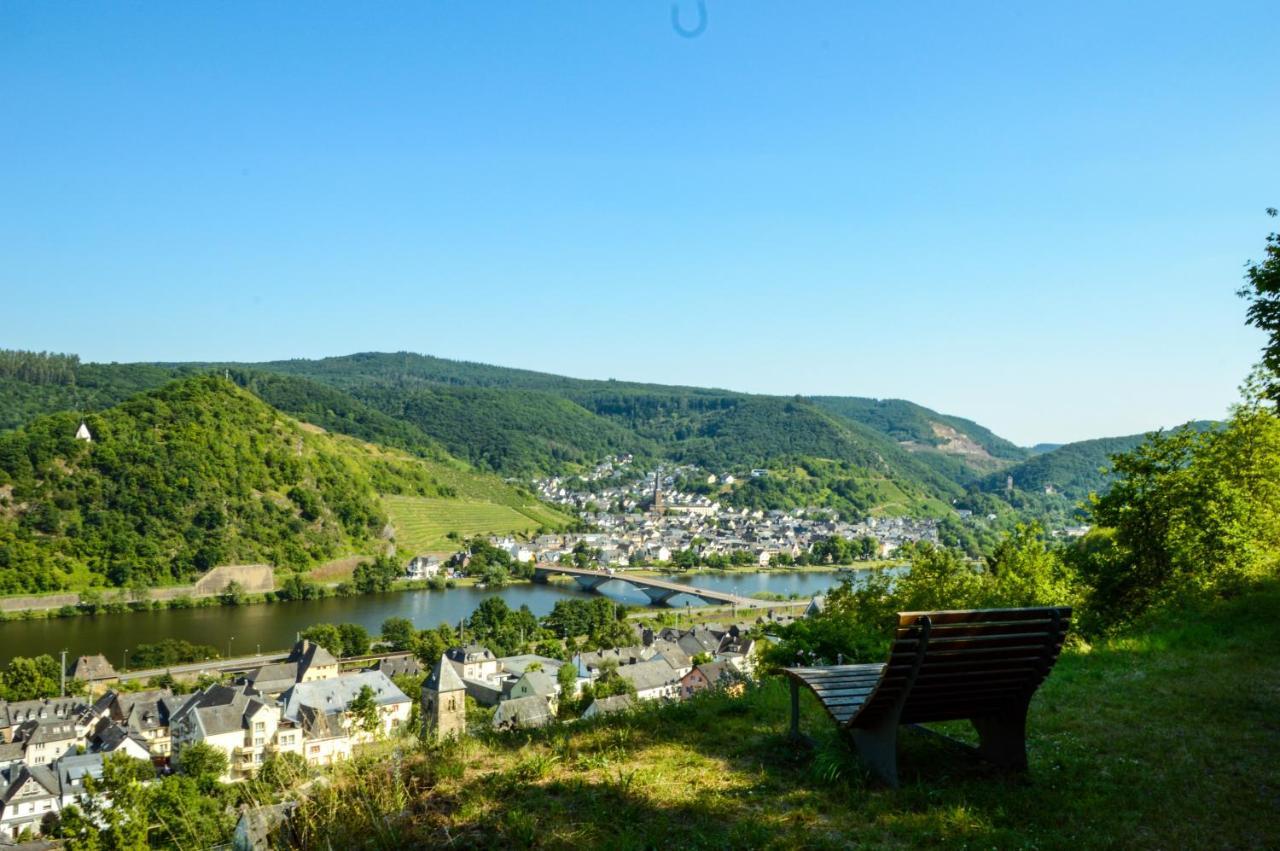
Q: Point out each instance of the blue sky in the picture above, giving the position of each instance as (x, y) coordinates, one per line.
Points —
(1036, 217)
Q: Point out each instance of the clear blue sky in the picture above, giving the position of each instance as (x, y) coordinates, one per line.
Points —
(1034, 215)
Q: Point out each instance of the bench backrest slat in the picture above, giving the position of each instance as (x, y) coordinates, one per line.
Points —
(973, 662)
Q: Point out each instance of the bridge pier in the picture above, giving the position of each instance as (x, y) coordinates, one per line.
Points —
(658, 596)
(590, 583)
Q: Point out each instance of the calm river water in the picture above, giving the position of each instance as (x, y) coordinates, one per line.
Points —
(268, 627)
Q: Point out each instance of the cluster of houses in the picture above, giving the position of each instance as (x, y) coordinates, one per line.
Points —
(670, 664)
(648, 520)
(301, 706)
(304, 705)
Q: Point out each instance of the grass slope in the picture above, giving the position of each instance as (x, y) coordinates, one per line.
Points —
(422, 524)
(1167, 738)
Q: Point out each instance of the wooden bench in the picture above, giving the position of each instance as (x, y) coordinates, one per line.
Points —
(982, 665)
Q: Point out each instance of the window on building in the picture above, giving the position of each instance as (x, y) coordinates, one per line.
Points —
(259, 726)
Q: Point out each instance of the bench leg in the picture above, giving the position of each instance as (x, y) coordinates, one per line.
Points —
(878, 747)
(1003, 737)
(795, 710)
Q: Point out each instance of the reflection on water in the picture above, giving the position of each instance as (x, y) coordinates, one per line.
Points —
(246, 629)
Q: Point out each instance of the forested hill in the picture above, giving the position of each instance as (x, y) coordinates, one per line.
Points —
(188, 476)
(921, 429)
(1072, 470)
(854, 453)
(719, 428)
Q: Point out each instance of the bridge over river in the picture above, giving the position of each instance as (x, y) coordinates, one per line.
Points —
(659, 591)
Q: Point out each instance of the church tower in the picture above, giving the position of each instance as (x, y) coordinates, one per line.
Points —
(444, 705)
(657, 491)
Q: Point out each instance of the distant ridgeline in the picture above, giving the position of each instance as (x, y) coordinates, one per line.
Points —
(198, 473)
(852, 454)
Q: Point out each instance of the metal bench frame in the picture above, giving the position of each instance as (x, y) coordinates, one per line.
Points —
(983, 665)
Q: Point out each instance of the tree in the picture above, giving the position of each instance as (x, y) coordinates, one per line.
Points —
(1025, 572)
(428, 647)
(283, 771)
(184, 815)
(1262, 290)
(398, 633)
(170, 651)
(567, 678)
(377, 575)
(203, 763)
(298, 586)
(233, 594)
(30, 678)
(1189, 512)
(326, 635)
(355, 639)
(364, 710)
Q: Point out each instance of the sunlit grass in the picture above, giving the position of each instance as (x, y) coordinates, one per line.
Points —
(423, 524)
(1166, 739)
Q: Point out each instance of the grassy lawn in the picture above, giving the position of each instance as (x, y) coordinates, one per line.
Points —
(1167, 739)
(422, 523)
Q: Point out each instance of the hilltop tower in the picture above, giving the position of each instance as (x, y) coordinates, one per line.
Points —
(444, 705)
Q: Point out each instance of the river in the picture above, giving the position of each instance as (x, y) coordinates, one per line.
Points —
(273, 626)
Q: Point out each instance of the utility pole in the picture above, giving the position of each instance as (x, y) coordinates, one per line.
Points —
(62, 683)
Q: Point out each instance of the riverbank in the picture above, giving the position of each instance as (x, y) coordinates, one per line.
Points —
(273, 623)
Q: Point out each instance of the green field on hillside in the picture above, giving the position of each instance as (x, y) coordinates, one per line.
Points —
(422, 524)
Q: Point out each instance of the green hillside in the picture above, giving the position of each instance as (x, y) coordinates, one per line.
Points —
(858, 454)
(1073, 470)
(194, 474)
(924, 430)
(515, 432)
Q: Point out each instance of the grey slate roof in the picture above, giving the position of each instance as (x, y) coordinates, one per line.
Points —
(318, 723)
(308, 654)
(717, 672)
(399, 666)
(672, 652)
(530, 711)
(607, 705)
(48, 730)
(471, 653)
(17, 776)
(335, 694)
(144, 711)
(649, 675)
(274, 678)
(112, 737)
(58, 707)
(72, 770)
(541, 683)
(519, 664)
(92, 668)
(444, 678)
(221, 709)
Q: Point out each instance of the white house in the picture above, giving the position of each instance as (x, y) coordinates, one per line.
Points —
(243, 725)
(27, 795)
(653, 680)
(333, 698)
(422, 567)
